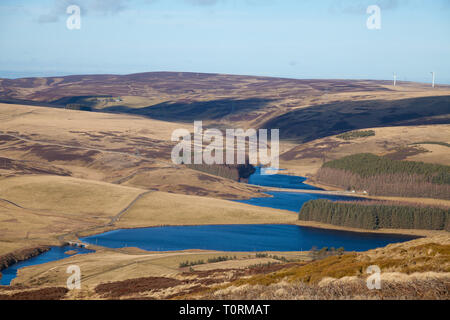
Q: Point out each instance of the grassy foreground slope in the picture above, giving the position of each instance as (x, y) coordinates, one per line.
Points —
(418, 269)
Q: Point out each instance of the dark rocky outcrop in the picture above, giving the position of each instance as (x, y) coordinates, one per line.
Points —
(20, 255)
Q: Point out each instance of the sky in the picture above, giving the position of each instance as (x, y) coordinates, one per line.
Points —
(304, 39)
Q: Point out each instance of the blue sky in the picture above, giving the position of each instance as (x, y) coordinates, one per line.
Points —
(297, 39)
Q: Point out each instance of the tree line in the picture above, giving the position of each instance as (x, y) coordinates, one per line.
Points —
(376, 215)
(240, 172)
(382, 176)
(350, 135)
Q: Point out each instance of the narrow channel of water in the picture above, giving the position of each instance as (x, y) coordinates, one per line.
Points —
(292, 201)
(55, 253)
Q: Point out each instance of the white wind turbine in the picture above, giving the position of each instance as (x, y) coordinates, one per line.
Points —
(433, 75)
(395, 79)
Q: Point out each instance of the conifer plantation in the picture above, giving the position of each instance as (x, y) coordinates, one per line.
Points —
(376, 215)
(385, 177)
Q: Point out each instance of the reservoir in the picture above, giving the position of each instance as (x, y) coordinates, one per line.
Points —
(271, 237)
(251, 237)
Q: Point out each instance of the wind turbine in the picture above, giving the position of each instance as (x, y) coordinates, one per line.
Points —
(395, 78)
(433, 75)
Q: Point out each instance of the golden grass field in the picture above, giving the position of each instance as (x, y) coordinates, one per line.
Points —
(160, 208)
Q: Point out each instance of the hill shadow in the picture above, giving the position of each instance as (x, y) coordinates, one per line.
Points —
(330, 119)
(194, 110)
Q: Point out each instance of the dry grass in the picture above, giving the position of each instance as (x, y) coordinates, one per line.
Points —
(107, 265)
(160, 208)
(67, 196)
(394, 286)
(417, 256)
(121, 149)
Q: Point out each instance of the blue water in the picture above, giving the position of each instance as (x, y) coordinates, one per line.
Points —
(279, 181)
(241, 238)
(251, 237)
(291, 201)
(55, 253)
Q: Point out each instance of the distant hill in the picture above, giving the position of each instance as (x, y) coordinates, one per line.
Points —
(303, 110)
(330, 119)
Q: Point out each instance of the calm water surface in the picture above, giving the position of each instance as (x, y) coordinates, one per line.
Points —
(256, 237)
(55, 253)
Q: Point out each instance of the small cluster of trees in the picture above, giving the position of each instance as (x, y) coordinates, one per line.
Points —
(376, 215)
(356, 134)
(210, 260)
(326, 252)
(78, 106)
(240, 172)
(383, 176)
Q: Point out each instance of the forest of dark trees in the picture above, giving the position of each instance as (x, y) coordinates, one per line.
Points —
(382, 176)
(376, 215)
(240, 172)
(350, 135)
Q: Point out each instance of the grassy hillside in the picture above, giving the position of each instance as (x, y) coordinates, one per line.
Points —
(417, 269)
(330, 119)
(161, 208)
(221, 100)
(401, 143)
(119, 149)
